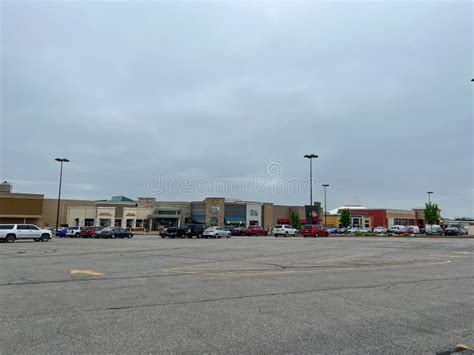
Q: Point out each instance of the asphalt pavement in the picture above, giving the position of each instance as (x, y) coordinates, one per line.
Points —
(240, 295)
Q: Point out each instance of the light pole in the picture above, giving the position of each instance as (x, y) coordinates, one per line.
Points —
(61, 160)
(429, 196)
(325, 209)
(311, 157)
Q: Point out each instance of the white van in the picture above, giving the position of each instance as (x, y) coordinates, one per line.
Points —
(433, 229)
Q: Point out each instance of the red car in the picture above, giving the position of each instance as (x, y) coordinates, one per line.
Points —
(255, 230)
(313, 230)
(88, 232)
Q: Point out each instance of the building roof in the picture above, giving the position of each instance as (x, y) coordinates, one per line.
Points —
(121, 199)
(350, 207)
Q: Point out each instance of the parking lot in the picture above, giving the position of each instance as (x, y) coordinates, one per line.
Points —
(238, 295)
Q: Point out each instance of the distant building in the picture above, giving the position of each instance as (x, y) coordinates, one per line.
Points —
(364, 217)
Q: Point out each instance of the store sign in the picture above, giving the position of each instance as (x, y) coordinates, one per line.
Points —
(105, 214)
(214, 210)
(254, 212)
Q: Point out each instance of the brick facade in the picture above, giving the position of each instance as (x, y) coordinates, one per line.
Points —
(215, 202)
(267, 215)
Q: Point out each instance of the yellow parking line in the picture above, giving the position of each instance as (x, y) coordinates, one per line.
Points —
(86, 272)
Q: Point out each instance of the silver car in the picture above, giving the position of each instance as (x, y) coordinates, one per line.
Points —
(216, 232)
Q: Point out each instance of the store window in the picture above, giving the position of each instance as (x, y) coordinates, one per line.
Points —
(139, 223)
(103, 222)
(118, 222)
(129, 223)
(89, 222)
(146, 223)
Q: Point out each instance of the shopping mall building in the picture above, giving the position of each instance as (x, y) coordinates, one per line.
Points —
(146, 212)
(151, 214)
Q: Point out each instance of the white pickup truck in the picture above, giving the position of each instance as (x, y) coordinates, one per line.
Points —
(74, 232)
(11, 232)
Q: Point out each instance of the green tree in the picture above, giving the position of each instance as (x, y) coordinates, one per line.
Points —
(431, 212)
(345, 220)
(295, 220)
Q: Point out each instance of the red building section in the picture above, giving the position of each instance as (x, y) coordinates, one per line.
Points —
(378, 216)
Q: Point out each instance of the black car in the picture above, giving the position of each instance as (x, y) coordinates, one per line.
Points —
(452, 231)
(113, 232)
(236, 231)
(190, 230)
(170, 232)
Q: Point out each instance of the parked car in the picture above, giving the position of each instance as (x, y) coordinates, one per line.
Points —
(190, 230)
(380, 230)
(61, 232)
(341, 230)
(11, 232)
(333, 230)
(89, 232)
(433, 229)
(240, 230)
(365, 230)
(464, 230)
(397, 229)
(216, 232)
(235, 230)
(74, 232)
(113, 232)
(255, 230)
(452, 231)
(284, 230)
(170, 232)
(313, 230)
(413, 230)
(353, 230)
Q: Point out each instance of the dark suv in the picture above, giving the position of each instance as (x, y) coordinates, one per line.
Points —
(190, 230)
(169, 232)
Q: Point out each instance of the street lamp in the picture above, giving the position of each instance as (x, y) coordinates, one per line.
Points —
(311, 157)
(429, 196)
(325, 209)
(61, 160)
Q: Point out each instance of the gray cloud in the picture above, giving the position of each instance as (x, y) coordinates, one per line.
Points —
(218, 91)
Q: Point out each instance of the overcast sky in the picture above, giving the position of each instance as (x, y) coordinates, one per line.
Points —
(138, 94)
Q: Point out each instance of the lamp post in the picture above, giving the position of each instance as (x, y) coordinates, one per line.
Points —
(429, 196)
(61, 160)
(325, 209)
(311, 157)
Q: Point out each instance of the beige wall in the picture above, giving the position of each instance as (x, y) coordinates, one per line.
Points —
(401, 214)
(80, 212)
(135, 213)
(50, 206)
